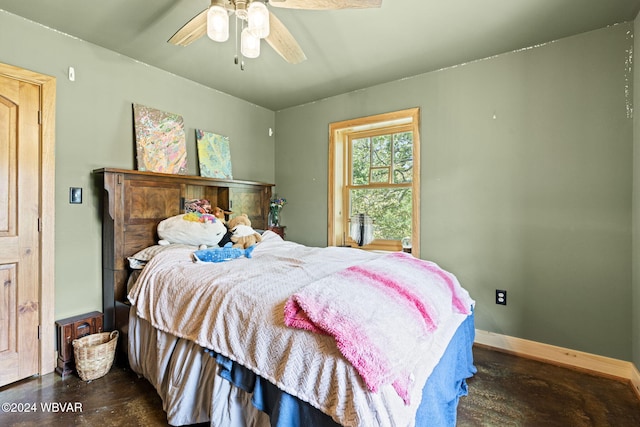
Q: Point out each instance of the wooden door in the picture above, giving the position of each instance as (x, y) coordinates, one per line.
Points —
(19, 229)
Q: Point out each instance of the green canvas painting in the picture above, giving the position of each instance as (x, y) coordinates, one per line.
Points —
(214, 155)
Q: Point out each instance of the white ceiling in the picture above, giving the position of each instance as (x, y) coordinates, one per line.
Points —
(346, 50)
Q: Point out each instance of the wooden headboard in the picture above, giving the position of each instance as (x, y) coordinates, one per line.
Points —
(135, 202)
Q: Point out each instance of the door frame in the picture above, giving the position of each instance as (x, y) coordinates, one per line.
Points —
(47, 84)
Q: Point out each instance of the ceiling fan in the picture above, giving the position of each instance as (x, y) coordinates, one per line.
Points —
(278, 37)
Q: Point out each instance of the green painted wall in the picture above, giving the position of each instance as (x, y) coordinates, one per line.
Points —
(94, 129)
(526, 183)
(536, 200)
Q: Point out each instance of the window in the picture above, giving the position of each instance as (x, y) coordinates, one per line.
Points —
(374, 169)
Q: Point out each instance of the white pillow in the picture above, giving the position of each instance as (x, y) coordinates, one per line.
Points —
(175, 229)
(138, 260)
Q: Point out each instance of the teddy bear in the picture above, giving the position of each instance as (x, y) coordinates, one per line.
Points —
(243, 236)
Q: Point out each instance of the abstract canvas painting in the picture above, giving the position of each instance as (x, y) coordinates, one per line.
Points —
(161, 144)
(213, 154)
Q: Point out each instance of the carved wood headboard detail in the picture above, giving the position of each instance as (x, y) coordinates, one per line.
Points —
(135, 202)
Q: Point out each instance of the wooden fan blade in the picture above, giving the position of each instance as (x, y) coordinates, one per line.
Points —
(325, 4)
(191, 31)
(281, 40)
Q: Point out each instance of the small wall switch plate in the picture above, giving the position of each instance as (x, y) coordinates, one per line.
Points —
(72, 74)
(75, 195)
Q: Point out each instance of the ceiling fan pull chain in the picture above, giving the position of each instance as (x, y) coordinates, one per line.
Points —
(235, 58)
(242, 21)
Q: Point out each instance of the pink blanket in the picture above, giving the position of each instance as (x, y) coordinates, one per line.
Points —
(354, 306)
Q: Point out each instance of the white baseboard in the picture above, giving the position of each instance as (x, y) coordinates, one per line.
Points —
(561, 356)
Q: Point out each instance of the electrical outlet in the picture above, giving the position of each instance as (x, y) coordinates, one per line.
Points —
(501, 297)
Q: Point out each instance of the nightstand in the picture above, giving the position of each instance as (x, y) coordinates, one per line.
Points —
(70, 329)
(278, 230)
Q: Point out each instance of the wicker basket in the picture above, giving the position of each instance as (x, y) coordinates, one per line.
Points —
(94, 354)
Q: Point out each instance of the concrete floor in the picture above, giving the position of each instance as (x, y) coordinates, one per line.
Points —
(506, 391)
(513, 391)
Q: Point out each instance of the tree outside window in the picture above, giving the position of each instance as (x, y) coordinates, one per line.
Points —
(374, 169)
(381, 177)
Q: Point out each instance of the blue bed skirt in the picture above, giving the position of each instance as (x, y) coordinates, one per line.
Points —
(440, 394)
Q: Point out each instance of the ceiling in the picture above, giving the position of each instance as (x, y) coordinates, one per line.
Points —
(346, 50)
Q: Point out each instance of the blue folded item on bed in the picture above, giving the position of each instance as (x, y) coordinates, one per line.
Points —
(447, 383)
(440, 394)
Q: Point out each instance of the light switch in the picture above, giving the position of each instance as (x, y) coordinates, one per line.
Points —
(75, 195)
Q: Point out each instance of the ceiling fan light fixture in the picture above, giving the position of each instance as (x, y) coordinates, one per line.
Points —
(258, 19)
(249, 44)
(218, 24)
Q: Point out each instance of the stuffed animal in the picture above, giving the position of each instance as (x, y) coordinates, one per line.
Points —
(220, 213)
(225, 253)
(242, 235)
(191, 229)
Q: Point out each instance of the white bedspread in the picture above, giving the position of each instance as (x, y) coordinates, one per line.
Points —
(236, 308)
(355, 306)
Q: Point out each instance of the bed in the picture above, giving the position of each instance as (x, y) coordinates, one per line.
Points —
(286, 337)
